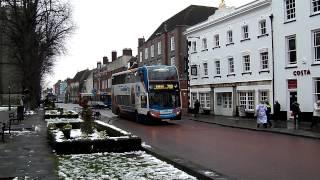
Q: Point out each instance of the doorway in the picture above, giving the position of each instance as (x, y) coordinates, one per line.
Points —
(292, 99)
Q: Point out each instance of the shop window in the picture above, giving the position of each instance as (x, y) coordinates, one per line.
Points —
(317, 88)
(193, 99)
(264, 95)
(246, 100)
(204, 100)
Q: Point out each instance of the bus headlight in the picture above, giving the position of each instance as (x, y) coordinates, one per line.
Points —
(155, 114)
(177, 111)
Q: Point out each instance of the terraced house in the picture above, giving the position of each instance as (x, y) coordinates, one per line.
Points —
(230, 59)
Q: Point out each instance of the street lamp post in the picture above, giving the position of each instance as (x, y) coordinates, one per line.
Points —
(188, 65)
(9, 98)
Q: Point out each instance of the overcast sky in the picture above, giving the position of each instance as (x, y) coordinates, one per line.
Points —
(107, 25)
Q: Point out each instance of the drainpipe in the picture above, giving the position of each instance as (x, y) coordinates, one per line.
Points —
(272, 49)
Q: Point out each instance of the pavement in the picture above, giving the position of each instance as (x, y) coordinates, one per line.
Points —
(25, 154)
(302, 129)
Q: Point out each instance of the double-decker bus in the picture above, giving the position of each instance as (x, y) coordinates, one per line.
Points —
(147, 93)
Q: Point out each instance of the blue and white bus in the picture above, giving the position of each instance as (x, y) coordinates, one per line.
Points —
(148, 93)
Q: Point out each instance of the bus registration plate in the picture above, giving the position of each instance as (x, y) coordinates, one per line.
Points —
(166, 111)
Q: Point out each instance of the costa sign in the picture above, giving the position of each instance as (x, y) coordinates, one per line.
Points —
(301, 72)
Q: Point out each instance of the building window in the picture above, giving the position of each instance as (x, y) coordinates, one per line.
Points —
(217, 40)
(316, 45)
(291, 50)
(219, 99)
(246, 100)
(315, 6)
(140, 56)
(152, 51)
(264, 95)
(205, 69)
(159, 47)
(263, 27)
(317, 88)
(250, 101)
(243, 99)
(217, 67)
(146, 53)
(193, 98)
(194, 46)
(229, 37)
(172, 43)
(290, 9)
(246, 63)
(231, 65)
(205, 100)
(204, 44)
(194, 70)
(245, 32)
(264, 58)
(172, 61)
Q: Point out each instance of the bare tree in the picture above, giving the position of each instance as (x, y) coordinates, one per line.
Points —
(36, 31)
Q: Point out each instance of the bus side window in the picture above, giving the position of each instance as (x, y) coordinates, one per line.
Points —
(143, 101)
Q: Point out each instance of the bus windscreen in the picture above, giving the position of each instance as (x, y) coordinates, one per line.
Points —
(162, 73)
(164, 100)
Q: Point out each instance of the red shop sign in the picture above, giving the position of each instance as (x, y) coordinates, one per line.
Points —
(301, 72)
(292, 84)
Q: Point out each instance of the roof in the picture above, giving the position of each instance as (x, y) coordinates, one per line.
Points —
(189, 16)
(82, 75)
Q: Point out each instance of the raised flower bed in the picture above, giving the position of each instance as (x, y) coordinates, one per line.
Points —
(105, 138)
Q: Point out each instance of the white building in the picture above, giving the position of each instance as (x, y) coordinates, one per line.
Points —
(297, 54)
(230, 58)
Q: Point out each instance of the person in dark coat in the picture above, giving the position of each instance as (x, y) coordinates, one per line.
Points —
(295, 108)
(268, 112)
(276, 111)
(196, 108)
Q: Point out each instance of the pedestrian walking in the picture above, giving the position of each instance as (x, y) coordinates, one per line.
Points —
(276, 111)
(196, 108)
(268, 113)
(261, 114)
(295, 108)
(316, 114)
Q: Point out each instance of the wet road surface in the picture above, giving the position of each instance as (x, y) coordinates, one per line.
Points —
(241, 154)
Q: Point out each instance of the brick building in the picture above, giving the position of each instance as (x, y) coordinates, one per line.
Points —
(167, 45)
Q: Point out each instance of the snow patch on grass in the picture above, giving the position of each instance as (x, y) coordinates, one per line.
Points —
(130, 165)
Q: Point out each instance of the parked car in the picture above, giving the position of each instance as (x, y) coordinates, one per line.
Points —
(98, 105)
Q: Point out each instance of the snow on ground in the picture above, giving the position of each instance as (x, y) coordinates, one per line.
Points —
(63, 120)
(76, 134)
(127, 166)
(145, 145)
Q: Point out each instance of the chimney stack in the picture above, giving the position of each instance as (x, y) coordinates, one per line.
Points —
(141, 42)
(99, 65)
(105, 60)
(127, 52)
(114, 55)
